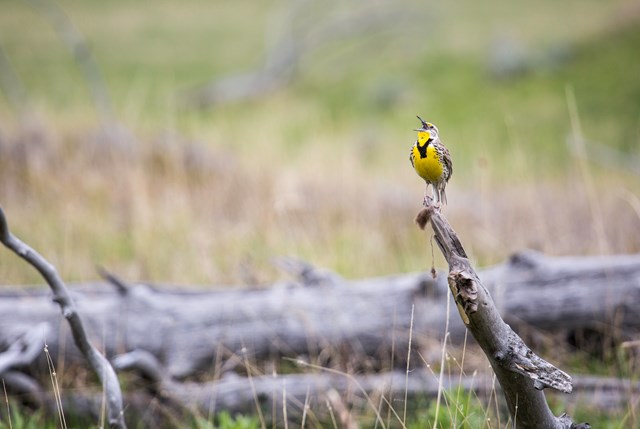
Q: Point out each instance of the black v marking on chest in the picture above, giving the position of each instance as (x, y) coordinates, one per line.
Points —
(422, 150)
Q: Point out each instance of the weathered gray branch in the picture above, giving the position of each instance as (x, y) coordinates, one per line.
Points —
(521, 373)
(98, 363)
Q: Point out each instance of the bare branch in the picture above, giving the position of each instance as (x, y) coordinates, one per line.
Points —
(121, 286)
(98, 363)
(521, 373)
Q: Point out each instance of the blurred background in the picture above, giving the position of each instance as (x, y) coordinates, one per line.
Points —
(192, 142)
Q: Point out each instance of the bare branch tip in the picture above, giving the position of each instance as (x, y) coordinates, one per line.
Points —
(121, 287)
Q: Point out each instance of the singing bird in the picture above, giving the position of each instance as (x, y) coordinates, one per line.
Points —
(432, 161)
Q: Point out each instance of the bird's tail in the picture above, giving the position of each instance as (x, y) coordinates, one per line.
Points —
(443, 196)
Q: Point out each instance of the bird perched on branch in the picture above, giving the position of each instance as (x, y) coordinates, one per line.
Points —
(432, 161)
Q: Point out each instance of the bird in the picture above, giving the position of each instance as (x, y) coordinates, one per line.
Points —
(432, 161)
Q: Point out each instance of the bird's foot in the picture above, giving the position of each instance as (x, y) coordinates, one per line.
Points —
(430, 201)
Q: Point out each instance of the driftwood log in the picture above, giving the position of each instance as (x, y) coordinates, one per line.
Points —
(187, 329)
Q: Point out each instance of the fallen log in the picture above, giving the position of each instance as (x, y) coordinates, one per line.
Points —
(187, 329)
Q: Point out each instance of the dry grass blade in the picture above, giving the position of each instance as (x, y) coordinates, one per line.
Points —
(56, 387)
(406, 380)
(578, 141)
(6, 400)
(263, 425)
(348, 376)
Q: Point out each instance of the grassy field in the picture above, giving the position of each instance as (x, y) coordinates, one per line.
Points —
(318, 168)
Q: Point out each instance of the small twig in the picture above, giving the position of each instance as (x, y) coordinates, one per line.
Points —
(121, 286)
(98, 363)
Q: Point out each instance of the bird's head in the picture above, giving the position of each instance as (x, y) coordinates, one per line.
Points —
(427, 132)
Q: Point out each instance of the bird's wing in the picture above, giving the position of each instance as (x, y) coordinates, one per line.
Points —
(447, 161)
(411, 156)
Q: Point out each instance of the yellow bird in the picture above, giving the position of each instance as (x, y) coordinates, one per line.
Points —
(432, 161)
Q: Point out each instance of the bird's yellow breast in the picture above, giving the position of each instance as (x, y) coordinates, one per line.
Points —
(429, 167)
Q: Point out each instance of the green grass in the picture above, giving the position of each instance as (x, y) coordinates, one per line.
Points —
(463, 411)
(21, 419)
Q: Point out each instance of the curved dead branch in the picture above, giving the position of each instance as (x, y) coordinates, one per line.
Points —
(98, 363)
(521, 373)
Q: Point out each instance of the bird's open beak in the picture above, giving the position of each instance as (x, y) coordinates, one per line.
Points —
(425, 127)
